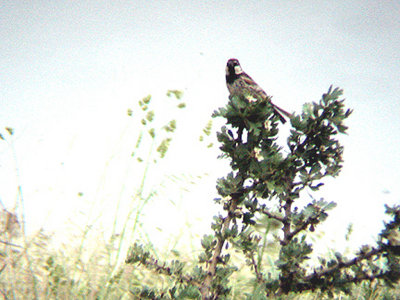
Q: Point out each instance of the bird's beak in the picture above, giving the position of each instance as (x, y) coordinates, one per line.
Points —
(238, 70)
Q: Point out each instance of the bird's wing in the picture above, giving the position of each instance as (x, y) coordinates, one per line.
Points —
(256, 90)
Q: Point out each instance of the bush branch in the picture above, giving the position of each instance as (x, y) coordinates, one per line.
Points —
(206, 286)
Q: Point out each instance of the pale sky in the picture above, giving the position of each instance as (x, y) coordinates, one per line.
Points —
(70, 69)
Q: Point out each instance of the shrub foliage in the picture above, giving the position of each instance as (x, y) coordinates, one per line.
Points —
(266, 182)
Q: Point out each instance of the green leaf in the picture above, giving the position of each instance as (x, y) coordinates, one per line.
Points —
(181, 105)
(177, 93)
(163, 147)
(150, 116)
(147, 99)
(207, 128)
(208, 241)
(171, 126)
(152, 133)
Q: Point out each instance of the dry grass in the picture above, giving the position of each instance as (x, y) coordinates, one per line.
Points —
(34, 269)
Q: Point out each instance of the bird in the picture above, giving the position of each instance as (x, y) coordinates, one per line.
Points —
(241, 84)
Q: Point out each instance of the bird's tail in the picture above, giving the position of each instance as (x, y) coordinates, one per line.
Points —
(279, 111)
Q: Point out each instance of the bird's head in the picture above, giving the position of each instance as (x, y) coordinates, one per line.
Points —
(233, 67)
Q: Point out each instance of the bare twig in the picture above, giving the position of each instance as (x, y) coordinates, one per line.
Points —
(151, 262)
(342, 265)
(206, 286)
(272, 216)
(260, 279)
(10, 244)
(286, 223)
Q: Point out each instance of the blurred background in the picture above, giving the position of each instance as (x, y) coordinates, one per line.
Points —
(70, 70)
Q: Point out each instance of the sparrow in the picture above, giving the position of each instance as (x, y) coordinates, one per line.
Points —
(241, 84)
